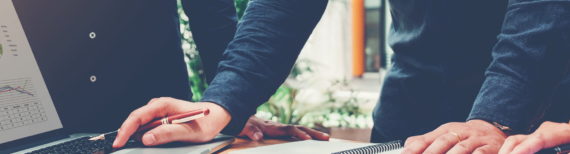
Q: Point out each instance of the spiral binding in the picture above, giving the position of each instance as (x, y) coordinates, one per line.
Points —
(373, 149)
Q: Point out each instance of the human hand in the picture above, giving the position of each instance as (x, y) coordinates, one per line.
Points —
(548, 135)
(199, 130)
(474, 136)
(257, 128)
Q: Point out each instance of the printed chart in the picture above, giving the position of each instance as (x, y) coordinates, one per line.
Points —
(26, 107)
(21, 107)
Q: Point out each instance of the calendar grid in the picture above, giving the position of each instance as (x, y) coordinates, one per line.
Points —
(18, 104)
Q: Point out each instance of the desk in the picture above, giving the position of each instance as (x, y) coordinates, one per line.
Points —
(240, 143)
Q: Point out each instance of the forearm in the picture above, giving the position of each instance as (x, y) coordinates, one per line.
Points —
(268, 40)
(529, 60)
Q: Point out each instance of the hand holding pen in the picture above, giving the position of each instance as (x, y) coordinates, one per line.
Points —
(197, 131)
(175, 119)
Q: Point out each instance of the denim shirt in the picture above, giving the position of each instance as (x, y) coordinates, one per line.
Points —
(441, 50)
(530, 60)
(431, 84)
(267, 42)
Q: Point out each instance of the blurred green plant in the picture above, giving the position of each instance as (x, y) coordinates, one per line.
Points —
(285, 106)
(191, 56)
(241, 5)
(300, 101)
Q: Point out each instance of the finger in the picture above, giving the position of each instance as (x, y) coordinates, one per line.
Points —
(170, 133)
(418, 144)
(153, 100)
(466, 146)
(487, 149)
(553, 134)
(537, 141)
(511, 143)
(245, 129)
(298, 133)
(276, 130)
(409, 140)
(253, 132)
(549, 134)
(531, 145)
(316, 134)
(140, 117)
(129, 127)
(443, 143)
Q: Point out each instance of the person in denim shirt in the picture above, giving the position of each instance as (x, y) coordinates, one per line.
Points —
(441, 49)
(256, 61)
(528, 72)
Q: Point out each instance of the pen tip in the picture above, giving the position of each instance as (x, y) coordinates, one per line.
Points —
(100, 137)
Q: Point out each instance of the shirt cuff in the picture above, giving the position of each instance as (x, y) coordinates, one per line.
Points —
(232, 92)
(506, 103)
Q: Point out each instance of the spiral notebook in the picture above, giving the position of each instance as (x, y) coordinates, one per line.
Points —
(394, 147)
(325, 147)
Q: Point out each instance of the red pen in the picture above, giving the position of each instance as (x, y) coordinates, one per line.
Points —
(174, 119)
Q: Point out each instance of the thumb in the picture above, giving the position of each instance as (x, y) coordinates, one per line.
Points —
(166, 134)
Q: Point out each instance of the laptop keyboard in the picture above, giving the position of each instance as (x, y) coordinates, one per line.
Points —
(81, 146)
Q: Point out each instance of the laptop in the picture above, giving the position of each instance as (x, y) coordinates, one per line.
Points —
(29, 121)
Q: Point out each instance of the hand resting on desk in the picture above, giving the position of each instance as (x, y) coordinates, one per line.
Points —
(203, 129)
(548, 135)
(257, 128)
(474, 136)
(198, 131)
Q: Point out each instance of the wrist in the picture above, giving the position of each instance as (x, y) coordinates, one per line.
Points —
(503, 130)
(218, 111)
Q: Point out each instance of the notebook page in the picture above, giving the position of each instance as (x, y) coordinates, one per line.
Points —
(304, 147)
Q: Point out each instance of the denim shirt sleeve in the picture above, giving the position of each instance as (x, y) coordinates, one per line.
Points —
(267, 42)
(529, 60)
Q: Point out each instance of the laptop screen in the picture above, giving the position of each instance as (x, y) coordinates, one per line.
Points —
(26, 108)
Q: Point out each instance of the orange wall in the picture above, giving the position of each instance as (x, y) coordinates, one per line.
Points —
(358, 41)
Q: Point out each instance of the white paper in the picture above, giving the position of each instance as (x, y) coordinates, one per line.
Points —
(307, 147)
(26, 107)
(399, 151)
